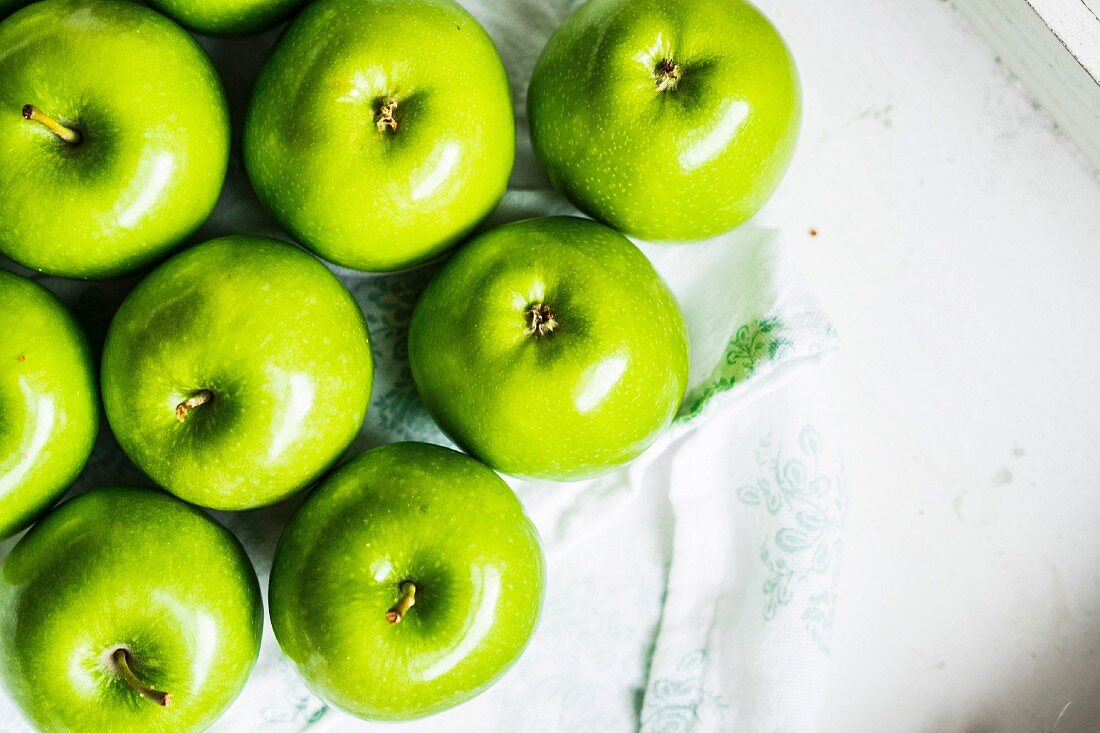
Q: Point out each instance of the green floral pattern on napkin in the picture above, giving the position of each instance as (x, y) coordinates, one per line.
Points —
(810, 505)
(754, 344)
(682, 701)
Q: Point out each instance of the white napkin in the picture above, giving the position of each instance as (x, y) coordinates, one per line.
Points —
(688, 591)
(692, 590)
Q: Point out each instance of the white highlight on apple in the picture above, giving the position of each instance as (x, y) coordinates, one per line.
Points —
(80, 672)
(598, 381)
(536, 293)
(443, 161)
(382, 570)
(298, 405)
(148, 187)
(365, 86)
(45, 414)
(658, 50)
(487, 588)
(205, 638)
(707, 145)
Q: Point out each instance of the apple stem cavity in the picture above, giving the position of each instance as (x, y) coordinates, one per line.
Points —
(386, 119)
(404, 603)
(122, 659)
(69, 135)
(541, 321)
(199, 398)
(667, 74)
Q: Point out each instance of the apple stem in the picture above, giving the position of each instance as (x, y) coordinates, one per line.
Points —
(541, 320)
(386, 118)
(404, 603)
(69, 135)
(199, 398)
(667, 74)
(122, 663)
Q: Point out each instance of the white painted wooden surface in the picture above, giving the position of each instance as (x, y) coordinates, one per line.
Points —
(958, 250)
(1053, 46)
(1073, 22)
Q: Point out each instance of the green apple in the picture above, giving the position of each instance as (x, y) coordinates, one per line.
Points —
(237, 372)
(127, 610)
(550, 348)
(380, 133)
(666, 120)
(408, 582)
(227, 17)
(49, 404)
(114, 136)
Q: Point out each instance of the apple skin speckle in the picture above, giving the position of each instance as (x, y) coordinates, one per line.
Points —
(658, 158)
(566, 403)
(397, 147)
(154, 145)
(406, 512)
(135, 569)
(230, 18)
(49, 405)
(282, 347)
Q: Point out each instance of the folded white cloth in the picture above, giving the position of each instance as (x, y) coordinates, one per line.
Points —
(690, 591)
